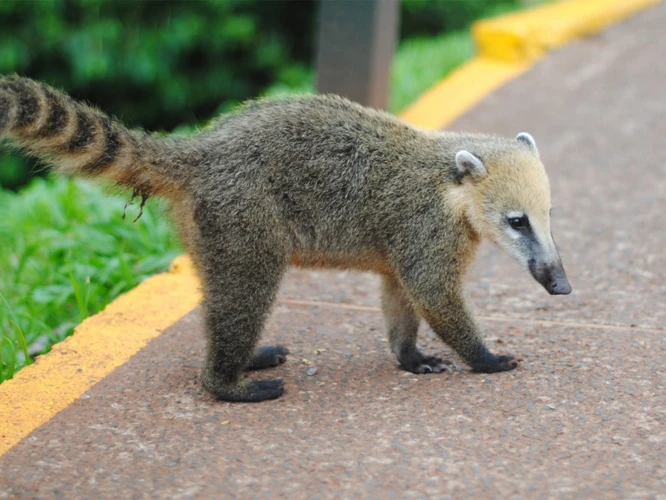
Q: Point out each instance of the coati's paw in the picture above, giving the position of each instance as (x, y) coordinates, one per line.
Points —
(415, 361)
(493, 364)
(261, 390)
(268, 357)
(245, 391)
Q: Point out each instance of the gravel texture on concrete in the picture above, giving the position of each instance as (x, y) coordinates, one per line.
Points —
(583, 417)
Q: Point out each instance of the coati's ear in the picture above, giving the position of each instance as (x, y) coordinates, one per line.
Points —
(529, 140)
(468, 164)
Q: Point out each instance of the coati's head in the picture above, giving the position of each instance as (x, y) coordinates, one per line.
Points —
(506, 197)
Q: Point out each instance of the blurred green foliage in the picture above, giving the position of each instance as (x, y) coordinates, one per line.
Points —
(436, 17)
(153, 63)
(164, 64)
(156, 64)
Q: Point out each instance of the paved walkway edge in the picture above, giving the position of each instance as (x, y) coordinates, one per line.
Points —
(508, 46)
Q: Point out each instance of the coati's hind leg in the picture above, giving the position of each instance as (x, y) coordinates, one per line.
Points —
(403, 324)
(241, 279)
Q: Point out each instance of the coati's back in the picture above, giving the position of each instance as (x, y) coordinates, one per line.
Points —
(319, 160)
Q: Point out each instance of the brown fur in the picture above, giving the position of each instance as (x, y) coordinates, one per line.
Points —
(313, 181)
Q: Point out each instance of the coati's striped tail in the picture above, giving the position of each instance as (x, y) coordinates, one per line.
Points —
(80, 140)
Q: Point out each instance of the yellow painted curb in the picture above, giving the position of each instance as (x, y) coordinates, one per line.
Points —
(460, 91)
(99, 345)
(527, 35)
(508, 46)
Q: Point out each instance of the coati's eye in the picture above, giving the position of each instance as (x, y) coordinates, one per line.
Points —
(518, 223)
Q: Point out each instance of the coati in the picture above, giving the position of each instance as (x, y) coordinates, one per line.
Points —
(314, 181)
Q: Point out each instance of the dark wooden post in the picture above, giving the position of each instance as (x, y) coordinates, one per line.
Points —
(357, 39)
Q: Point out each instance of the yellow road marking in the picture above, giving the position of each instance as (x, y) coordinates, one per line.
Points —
(529, 34)
(460, 91)
(508, 46)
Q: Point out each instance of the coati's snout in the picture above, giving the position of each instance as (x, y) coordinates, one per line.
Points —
(531, 243)
(508, 197)
(552, 277)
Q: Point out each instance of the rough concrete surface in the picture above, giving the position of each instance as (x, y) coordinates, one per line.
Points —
(583, 417)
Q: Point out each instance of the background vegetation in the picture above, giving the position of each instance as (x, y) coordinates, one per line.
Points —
(65, 251)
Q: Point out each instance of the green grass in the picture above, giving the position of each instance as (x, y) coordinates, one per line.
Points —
(65, 253)
(421, 62)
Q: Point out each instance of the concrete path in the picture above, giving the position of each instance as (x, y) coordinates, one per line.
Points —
(583, 417)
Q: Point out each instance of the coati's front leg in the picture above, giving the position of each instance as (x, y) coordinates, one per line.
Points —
(455, 325)
(438, 297)
(403, 324)
(240, 285)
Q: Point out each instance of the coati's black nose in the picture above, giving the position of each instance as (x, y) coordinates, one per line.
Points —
(552, 277)
(560, 287)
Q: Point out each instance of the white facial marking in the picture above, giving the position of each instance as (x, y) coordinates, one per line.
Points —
(515, 214)
(549, 249)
